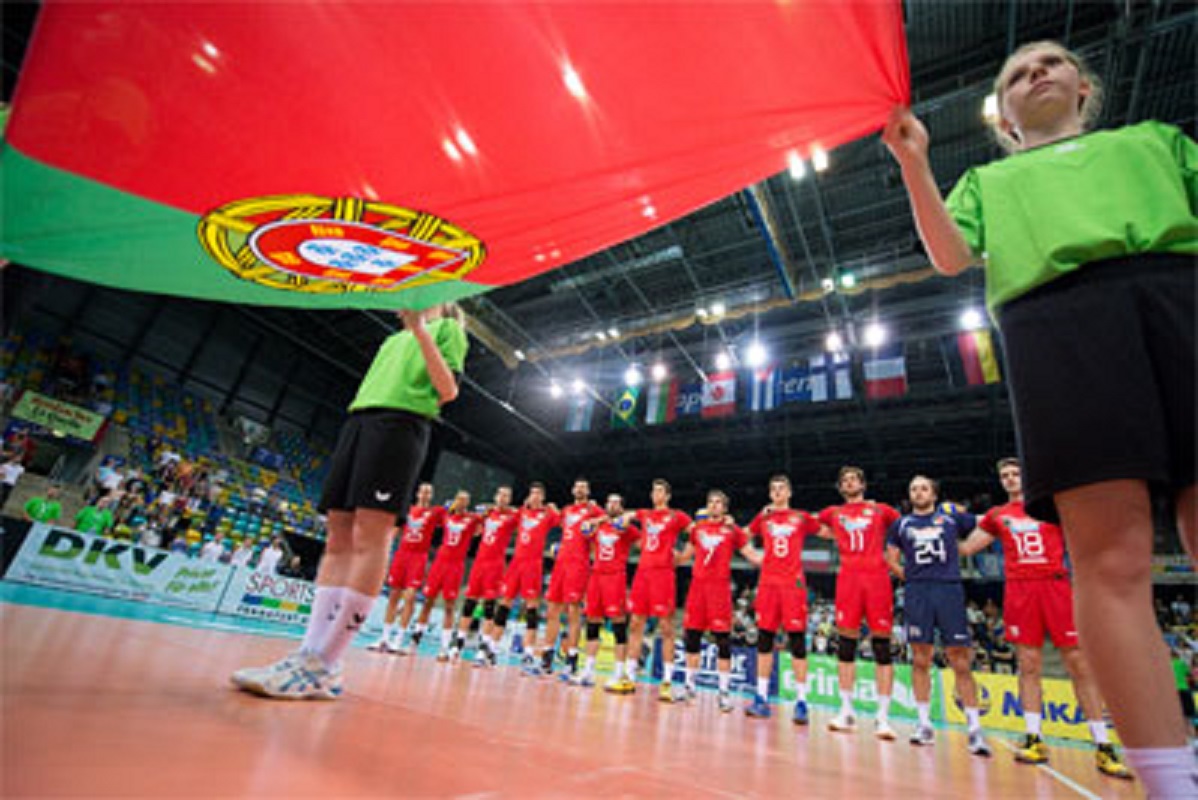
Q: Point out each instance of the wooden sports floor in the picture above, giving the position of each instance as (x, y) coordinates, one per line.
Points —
(95, 706)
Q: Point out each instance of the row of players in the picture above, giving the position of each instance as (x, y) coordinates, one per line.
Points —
(589, 581)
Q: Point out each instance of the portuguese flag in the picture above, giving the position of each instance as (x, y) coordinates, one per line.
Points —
(397, 155)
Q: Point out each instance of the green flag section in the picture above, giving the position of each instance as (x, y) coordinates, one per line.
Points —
(823, 687)
(623, 410)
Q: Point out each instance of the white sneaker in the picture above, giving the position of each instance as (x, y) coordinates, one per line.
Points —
(844, 722)
(978, 745)
(883, 731)
(300, 676)
(381, 646)
(726, 702)
(923, 736)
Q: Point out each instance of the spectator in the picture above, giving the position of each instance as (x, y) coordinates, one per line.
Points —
(45, 509)
(293, 569)
(226, 552)
(243, 553)
(179, 545)
(1002, 654)
(96, 518)
(10, 472)
(1181, 610)
(269, 560)
(150, 537)
(212, 549)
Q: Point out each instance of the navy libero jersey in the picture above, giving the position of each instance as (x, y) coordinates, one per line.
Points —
(929, 544)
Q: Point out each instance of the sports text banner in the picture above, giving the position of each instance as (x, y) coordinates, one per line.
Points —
(82, 562)
(55, 415)
(275, 598)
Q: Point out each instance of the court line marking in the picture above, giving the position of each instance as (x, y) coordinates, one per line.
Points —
(1072, 784)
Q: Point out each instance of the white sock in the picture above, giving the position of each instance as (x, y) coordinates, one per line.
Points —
(883, 708)
(617, 671)
(390, 630)
(355, 607)
(1098, 731)
(446, 637)
(1166, 771)
(630, 669)
(725, 681)
(1031, 721)
(418, 628)
(973, 718)
(846, 702)
(801, 691)
(589, 669)
(320, 621)
(688, 675)
(925, 714)
(763, 687)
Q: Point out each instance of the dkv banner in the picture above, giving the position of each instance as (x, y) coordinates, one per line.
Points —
(83, 562)
(823, 687)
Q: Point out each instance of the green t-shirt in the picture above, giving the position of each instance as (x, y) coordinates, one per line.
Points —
(398, 378)
(40, 509)
(1039, 214)
(93, 520)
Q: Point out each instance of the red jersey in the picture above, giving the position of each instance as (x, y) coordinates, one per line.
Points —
(860, 530)
(533, 527)
(714, 543)
(661, 527)
(497, 533)
(458, 530)
(1030, 548)
(782, 532)
(574, 546)
(419, 527)
(611, 546)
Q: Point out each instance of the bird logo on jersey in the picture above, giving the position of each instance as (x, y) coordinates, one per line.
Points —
(784, 531)
(608, 539)
(710, 541)
(652, 533)
(853, 524)
(573, 518)
(454, 529)
(414, 530)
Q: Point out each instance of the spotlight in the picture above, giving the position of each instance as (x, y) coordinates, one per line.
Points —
(971, 319)
(756, 354)
(723, 361)
(632, 376)
(834, 343)
(875, 334)
(660, 372)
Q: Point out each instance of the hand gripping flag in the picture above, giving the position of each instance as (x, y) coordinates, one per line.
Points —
(398, 155)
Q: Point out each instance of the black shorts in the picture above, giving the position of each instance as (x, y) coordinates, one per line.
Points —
(1102, 371)
(932, 606)
(377, 461)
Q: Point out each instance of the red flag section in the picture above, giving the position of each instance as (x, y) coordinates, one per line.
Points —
(387, 146)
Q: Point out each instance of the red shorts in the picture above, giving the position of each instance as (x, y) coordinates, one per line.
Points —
(865, 596)
(709, 607)
(568, 583)
(444, 579)
(654, 592)
(486, 580)
(781, 607)
(607, 595)
(407, 569)
(1032, 607)
(523, 579)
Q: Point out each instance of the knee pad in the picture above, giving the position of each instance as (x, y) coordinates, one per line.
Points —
(501, 615)
(847, 651)
(488, 609)
(798, 644)
(532, 618)
(620, 629)
(693, 640)
(475, 624)
(765, 642)
(593, 630)
(468, 607)
(723, 645)
(881, 651)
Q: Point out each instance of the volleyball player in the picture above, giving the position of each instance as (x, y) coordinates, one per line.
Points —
(568, 581)
(863, 592)
(921, 549)
(486, 574)
(713, 540)
(445, 577)
(781, 596)
(1039, 601)
(379, 454)
(654, 589)
(409, 565)
(524, 579)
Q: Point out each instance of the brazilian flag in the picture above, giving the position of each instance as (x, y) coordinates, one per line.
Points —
(623, 410)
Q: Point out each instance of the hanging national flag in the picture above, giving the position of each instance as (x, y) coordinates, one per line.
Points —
(578, 416)
(661, 403)
(794, 385)
(831, 377)
(690, 400)
(719, 395)
(886, 372)
(764, 395)
(979, 361)
(261, 153)
(623, 411)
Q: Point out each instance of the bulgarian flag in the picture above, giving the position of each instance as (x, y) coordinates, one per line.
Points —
(662, 402)
(402, 154)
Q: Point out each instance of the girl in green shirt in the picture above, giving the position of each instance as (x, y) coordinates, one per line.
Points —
(1088, 242)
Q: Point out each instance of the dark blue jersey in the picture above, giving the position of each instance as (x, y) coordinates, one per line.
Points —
(929, 544)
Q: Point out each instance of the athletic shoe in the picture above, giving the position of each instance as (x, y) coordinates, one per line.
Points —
(978, 745)
(621, 686)
(381, 646)
(1033, 751)
(759, 708)
(800, 713)
(403, 648)
(565, 676)
(726, 702)
(843, 722)
(665, 693)
(533, 669)
(443, 656)
(248, 677)
(307, 678)
(883, 731)
(684, 693)
(923, 736)
(1108, 763)
(584, 680)
(455, 654)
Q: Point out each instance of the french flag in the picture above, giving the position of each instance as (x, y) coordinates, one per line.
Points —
(886, 372)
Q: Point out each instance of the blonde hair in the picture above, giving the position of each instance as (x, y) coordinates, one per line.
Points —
(1091, 104)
